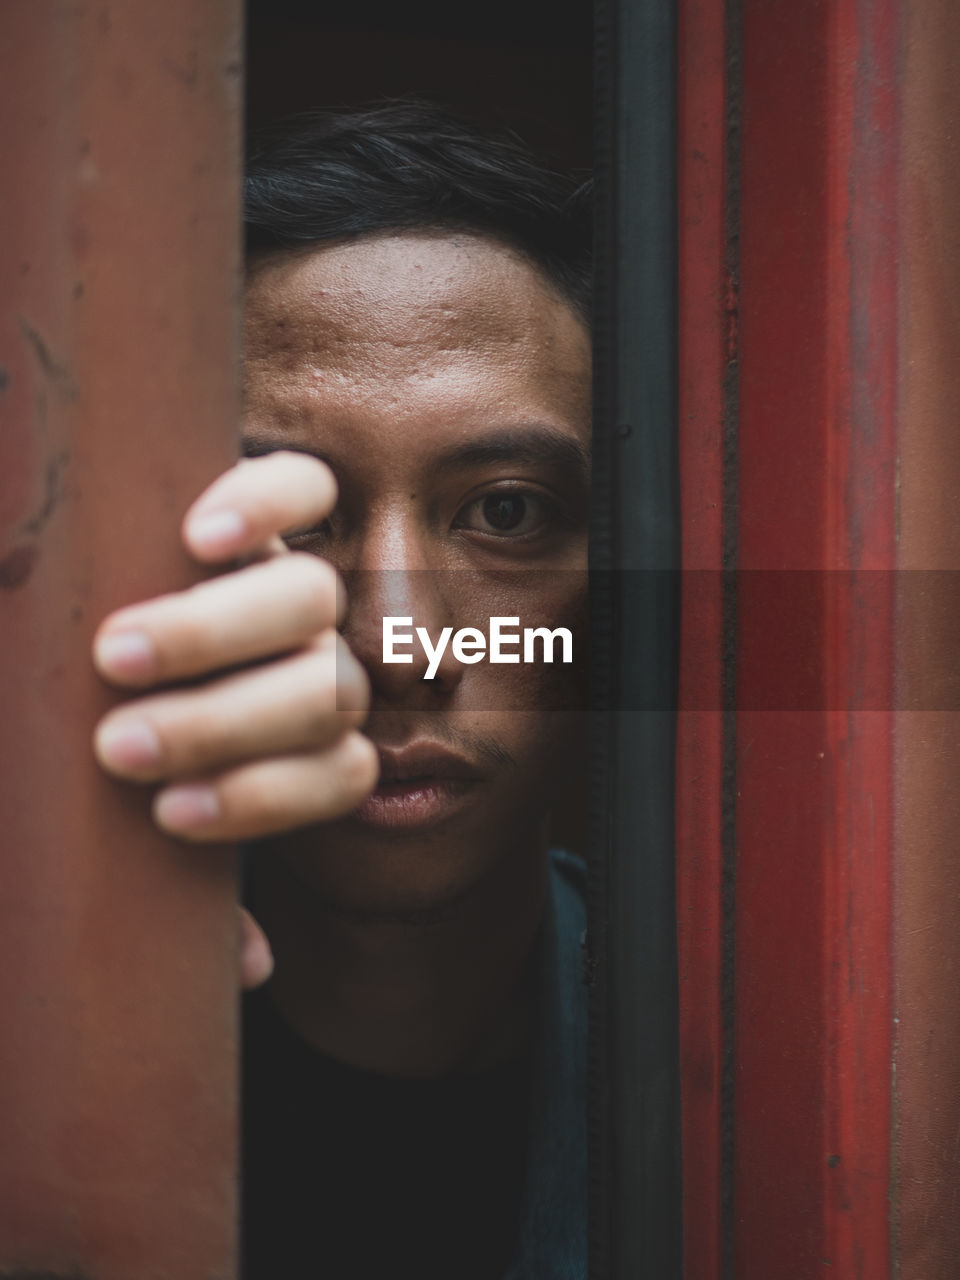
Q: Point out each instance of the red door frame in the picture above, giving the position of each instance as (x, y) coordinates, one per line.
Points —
(817, 876)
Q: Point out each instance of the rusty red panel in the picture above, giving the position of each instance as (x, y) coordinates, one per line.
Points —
(705, 316)
(815, 546)
(835, 860)
(927, 937)
(118, 283)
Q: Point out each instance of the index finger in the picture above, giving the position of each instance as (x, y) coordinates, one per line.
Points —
(259, 498)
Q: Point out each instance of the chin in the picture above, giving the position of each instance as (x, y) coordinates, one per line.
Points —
(388, 867)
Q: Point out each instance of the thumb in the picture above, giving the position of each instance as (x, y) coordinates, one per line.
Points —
(256, 958)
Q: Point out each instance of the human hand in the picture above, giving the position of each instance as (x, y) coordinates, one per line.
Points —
(265, 737)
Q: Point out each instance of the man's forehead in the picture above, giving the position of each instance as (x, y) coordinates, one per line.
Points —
(405, 295)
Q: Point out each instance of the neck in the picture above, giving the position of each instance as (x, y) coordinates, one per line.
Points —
(414, 996)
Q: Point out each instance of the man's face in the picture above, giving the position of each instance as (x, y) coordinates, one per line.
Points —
(448, 386)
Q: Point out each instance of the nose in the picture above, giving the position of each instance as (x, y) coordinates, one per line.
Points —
(392, 577)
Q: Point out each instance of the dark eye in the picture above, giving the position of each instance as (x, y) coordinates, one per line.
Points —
(505, 514)
(504, 511)
(303, 539)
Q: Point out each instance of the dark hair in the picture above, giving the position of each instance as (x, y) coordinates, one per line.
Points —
(334, 176)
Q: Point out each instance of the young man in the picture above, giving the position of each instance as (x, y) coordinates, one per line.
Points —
(417, 419)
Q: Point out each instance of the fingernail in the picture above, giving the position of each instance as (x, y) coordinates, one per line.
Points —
(126, 653)
(217, 531)
(186, 807)
(128, 744)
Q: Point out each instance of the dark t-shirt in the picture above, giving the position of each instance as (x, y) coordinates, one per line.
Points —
(350, 1175)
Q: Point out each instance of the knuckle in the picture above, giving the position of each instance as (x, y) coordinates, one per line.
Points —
(319, 584)
(359, 765)
(251, 795)
(326, 642)
(313, 571)
(311, 476)
(306, 464)
(319, 700)
(168, 749)
(198, 743)
(324, 479)
(341, 683)
(185, 640)
(352, 716)
(179, 751)
(341, 600)
(352, 688)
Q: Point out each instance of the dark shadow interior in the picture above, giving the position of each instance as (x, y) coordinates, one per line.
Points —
(525, 64)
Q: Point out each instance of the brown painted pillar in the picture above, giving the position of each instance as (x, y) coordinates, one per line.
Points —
(118, 283)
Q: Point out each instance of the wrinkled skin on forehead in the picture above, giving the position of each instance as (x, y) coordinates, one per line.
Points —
(447, 383)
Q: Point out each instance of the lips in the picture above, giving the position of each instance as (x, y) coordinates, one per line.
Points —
(421, 785)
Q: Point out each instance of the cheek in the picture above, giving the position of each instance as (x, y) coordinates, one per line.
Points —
(546, 751)
(541, 744)
(550, 600)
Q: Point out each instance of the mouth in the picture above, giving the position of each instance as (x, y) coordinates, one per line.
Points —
(421, 785)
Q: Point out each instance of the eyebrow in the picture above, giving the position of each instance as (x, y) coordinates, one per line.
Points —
(533, 445)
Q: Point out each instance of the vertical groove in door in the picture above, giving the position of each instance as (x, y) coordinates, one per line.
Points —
(636, 1217)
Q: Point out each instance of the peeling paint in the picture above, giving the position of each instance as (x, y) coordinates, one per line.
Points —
(52, 495)
(185, 74)
(16, 568)
(57, 374)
